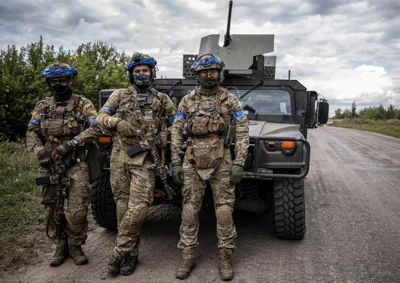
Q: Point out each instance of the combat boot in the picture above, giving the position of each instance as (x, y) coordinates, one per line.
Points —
(61, 253)
(114, 263)
(128, 265)
(187, 264)
(77, 255)
(224, 264)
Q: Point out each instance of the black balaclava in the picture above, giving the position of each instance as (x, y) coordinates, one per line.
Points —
(61, 92)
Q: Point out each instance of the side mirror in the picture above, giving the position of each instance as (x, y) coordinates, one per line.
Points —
(323, 111)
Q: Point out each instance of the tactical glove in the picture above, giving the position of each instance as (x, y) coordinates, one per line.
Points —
(44, 158)
(177, 174)
(64, 149)
(236, 174)
(126, 129)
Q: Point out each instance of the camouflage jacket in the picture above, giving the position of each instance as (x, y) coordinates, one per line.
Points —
(54, 122)
(150, 112)
(229, 113)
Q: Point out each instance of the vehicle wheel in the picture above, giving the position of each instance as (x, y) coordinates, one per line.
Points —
(102, 202)
(289, 209)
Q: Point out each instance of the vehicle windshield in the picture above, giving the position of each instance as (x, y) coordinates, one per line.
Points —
(259, 102)
(266, 102)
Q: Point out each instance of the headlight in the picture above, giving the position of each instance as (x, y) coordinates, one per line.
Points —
(288, 147)
(271, 145)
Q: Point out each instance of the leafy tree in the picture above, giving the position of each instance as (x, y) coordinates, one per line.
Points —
(353, 110)
(338, 114)
(380, 113)
(347, 114)
(99, 64)
(389, 112)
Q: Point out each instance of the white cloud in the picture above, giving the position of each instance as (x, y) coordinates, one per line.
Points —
(347, 50)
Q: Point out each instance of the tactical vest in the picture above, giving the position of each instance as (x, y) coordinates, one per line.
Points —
(62, 120)
(144, 112)
(206, 128)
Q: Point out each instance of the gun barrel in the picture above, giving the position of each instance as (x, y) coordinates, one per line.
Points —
(43, 117)
(227, 39)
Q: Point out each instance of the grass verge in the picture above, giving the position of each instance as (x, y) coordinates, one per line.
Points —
(22, 220)
(388, 127)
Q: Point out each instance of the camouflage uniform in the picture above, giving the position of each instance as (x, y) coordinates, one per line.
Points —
(119, 180)
(65, 120)
(208, 159)
(133, 178)
(135, 172)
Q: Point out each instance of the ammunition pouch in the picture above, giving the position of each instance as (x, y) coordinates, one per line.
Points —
(134, 150)
(203, 122)
(60, 127)
(54, 127)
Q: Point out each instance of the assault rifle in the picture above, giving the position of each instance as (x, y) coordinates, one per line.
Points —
(58, 183)
(159, 163)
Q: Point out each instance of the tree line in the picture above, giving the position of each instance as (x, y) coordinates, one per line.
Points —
(99, 64)
(371, 113)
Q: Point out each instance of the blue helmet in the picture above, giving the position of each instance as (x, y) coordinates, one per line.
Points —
(59, 69)
(208, 61)
(138, 59)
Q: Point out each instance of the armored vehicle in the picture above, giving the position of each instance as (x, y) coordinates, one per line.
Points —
(279, 111)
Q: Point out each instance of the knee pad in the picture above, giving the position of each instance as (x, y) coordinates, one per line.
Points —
(188, 217)
(140, 212)
(224, 215)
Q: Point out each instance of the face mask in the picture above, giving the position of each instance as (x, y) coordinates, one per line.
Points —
(61, 92)
(208, 83)
(141, 80)
(60, 89)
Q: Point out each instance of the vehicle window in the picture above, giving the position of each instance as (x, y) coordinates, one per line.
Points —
(178, 94)
(267, 102)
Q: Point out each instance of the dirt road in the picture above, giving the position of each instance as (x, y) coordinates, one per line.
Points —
(353, 227)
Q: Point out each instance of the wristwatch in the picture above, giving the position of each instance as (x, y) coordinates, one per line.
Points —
(74, 142)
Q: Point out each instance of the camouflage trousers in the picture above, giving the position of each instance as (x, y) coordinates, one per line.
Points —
(119, 180)
(224, 199)
(141, 185)
(76, 204)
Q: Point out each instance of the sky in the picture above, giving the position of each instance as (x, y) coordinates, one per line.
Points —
(346, 50)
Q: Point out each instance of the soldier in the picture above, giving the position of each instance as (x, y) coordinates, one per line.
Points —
(209, 115)
(54, 122)
(140, 115)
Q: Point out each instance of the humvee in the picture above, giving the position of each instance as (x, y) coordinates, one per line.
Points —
(279, 111)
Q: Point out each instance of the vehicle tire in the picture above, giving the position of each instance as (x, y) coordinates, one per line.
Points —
(102, 202)
(289, 209)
